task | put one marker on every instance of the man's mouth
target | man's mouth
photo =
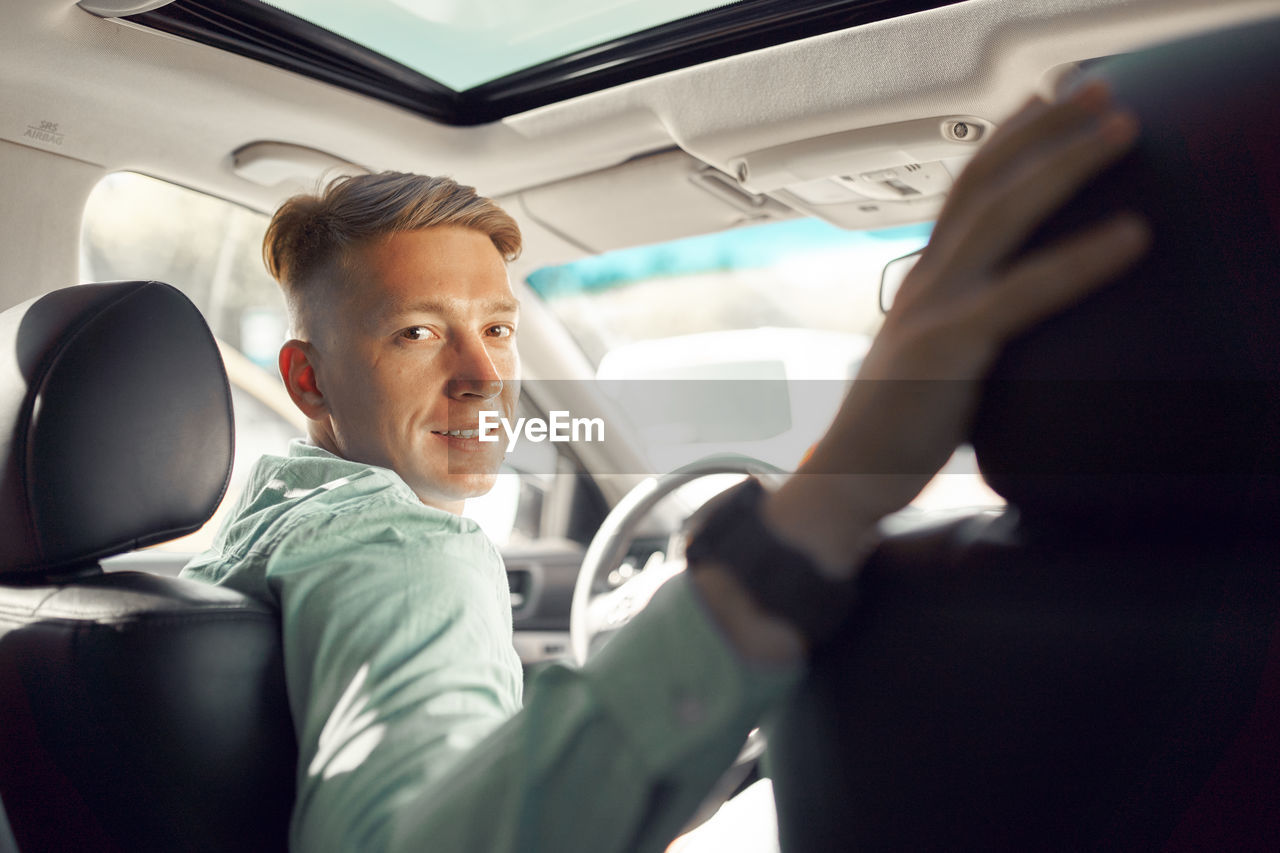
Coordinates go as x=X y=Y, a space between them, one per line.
x=458 y=433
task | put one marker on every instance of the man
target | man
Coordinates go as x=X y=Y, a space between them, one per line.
x=404 y=687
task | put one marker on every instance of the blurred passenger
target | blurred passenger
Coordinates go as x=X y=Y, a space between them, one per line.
x=1099 y=668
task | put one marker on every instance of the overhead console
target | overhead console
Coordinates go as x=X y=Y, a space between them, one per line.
x=871 y=177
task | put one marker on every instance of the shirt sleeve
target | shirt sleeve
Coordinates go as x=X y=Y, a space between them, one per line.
x=398 y=658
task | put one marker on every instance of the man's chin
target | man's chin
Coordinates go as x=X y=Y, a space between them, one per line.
x=466 y=486
x=454 y=488
x=461 y=476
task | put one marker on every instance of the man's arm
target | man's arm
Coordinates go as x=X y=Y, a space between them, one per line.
x=616 y=756
x=398 y=653
x=398 y=660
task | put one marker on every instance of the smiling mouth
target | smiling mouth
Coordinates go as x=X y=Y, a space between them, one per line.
x=465 y=441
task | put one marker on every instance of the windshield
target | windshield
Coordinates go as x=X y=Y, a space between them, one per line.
x=742 y=341
x=797 y=275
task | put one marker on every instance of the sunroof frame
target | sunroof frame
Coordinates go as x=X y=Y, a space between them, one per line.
x=264 y=33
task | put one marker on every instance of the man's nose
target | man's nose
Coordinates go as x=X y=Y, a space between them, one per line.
x=475 y=376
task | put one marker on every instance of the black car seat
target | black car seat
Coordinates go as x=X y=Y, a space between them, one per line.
x=1098 y=667
x=137 y=712
x=7 y=844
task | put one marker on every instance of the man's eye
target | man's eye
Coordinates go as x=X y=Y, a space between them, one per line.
x=416 y=333
x=501 y=331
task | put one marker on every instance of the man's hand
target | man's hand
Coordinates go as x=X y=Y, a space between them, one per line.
x=965 y=298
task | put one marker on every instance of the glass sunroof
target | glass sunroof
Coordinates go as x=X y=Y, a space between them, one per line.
x=465 y=43
x=470 y=62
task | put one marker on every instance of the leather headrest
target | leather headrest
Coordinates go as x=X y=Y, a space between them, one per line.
x=115 y=424
x=1155 y=400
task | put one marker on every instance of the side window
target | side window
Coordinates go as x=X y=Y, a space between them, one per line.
x=136 y=227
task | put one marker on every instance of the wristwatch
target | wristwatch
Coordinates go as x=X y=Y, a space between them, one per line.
x=780 y=579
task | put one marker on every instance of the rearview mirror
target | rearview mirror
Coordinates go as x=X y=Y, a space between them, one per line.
x=892 y=276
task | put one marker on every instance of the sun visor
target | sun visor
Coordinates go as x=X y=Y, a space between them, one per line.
x=661 y=197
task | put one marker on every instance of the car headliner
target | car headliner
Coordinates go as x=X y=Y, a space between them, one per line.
x=124 y=97
x=649 y=160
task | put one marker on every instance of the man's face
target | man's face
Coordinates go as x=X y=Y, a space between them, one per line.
x=419 y=342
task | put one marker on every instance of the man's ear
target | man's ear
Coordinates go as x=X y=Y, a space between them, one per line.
x=298 y=370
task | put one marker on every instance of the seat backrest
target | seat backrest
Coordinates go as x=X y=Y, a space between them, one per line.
x=7 y=844
x=137 y=712
x=1099 y=667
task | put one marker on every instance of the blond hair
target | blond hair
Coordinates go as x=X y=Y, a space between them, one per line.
x=309 y=233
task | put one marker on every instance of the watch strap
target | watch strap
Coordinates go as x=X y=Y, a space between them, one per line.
x=782 y=580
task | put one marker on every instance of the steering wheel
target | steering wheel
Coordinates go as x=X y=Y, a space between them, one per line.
x=590 y=616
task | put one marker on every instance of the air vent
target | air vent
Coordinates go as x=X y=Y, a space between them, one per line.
x=520 y=583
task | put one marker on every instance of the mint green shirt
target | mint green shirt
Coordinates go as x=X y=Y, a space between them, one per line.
x=405 y=689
